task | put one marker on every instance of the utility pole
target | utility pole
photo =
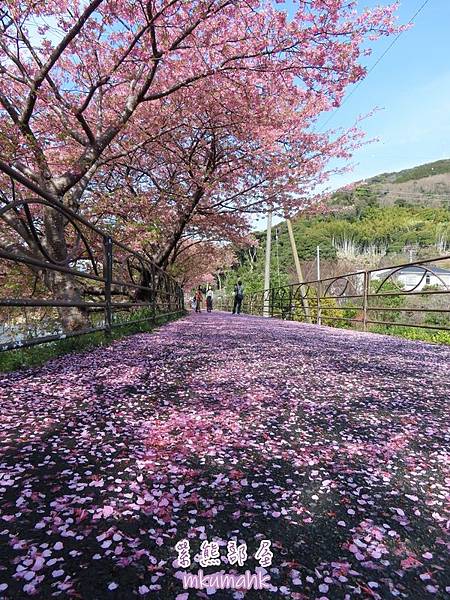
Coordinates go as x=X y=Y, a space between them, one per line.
x=318 y=263
x=266 y=299
x=298 y=268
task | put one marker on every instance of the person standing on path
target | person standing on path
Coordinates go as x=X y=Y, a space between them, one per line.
x=238 y=297
x=209 y=300
x=198 y=299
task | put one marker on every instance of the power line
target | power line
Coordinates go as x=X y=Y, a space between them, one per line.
x=377 y=62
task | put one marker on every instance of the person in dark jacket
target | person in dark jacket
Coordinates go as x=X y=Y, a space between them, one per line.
x=209 y=300
x=238 y=297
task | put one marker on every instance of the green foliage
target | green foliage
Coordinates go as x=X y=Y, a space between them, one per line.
x=252 y=273
x=392 y=227
x=366 y=195
x=307 y=237
x=391 y=302
x=331 y=313
x=253 y=280
x=437 y=319
x=351 y=311
x=435 y=168
x=414 y=333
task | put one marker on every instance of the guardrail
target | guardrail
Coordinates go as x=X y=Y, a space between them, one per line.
x=93 y=280
x=415 y=294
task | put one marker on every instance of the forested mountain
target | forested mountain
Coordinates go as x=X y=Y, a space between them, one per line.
x=384 y=220
x=424 y=185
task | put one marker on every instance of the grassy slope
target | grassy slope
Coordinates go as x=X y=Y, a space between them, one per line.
x=437 y=167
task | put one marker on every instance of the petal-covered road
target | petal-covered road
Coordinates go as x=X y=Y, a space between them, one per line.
x=333 y=445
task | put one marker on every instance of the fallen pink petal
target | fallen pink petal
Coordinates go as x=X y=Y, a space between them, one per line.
x=319 y=440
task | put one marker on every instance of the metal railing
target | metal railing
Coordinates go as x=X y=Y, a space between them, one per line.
x=415 y=294
x=92 y=278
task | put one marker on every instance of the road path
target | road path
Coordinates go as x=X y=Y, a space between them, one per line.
x=333 y=445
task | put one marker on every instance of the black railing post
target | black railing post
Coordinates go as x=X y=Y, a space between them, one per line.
x=290 y=304
x=365 y=298
x=319 y=293
x=107 y=277
x=153 y=293
x=168 y=294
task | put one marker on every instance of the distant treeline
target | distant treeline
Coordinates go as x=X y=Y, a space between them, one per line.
x=363 y=236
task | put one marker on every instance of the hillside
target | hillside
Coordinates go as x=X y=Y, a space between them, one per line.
x=424 y=185
x=437 y=167
x=390 y=218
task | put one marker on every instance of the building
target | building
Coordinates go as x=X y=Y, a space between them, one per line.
x=417 y=277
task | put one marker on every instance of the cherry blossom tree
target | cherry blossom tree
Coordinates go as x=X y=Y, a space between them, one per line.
x=206 y=178
x=198 y=262
x=79 y=81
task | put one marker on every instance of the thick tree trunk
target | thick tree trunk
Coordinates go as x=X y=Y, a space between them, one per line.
x=63 y=286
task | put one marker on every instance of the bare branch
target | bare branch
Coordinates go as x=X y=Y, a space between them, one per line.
x=53 y=58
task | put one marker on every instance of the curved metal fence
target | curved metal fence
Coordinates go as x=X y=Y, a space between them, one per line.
x=413 y=294
x=74 y=283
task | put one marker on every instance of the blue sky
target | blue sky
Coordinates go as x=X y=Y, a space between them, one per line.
x=411 y=89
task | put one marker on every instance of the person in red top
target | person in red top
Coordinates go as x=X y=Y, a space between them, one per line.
x=198 y=299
